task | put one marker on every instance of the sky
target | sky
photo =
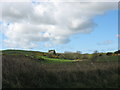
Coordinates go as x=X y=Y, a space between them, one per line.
x=64 y=26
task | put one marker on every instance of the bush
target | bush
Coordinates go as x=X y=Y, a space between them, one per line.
x=71 y=56
x=109 y=53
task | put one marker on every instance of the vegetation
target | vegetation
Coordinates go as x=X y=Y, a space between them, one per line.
x=28 y=69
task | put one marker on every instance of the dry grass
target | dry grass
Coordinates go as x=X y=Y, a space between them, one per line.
x=20 y=71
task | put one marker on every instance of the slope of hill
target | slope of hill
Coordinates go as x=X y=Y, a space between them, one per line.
x=28 y=69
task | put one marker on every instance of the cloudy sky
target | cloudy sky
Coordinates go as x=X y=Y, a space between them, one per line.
x=71 y=25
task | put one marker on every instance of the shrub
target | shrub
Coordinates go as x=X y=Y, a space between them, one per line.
x=71 y=56
x=109 y=53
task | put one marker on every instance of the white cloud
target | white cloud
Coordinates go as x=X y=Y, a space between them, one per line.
x=107 y=42
x=118 y=35
x=49 y=22
x=15 y=0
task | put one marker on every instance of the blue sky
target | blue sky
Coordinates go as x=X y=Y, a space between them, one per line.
x=106 y=30
x=101 y=37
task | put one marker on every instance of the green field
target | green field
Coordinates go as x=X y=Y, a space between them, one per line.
x=40 y=55
x=36 y=55
x=51 y=60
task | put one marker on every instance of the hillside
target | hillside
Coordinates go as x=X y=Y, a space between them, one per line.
x=29 y=69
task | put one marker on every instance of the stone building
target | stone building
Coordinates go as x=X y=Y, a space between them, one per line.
x=52 y=52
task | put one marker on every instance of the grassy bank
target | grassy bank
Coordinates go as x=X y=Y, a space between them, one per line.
x=21 y=71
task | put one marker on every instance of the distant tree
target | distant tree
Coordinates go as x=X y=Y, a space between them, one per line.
x=79 y=52
x=95 y=52
x=95 y=55
x=100 y=54
x=117 y=52
x=109 y=53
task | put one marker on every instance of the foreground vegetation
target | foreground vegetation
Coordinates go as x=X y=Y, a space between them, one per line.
x=25 y=69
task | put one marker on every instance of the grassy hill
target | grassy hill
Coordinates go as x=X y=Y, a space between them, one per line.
x=32 y=69
x=35 y=55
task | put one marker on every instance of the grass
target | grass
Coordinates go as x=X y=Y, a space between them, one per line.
x=21 y=71
x=108 y=58
x=53 y=60
x=36 y=56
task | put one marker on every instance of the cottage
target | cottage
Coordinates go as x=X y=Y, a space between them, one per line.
x=51 y=52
